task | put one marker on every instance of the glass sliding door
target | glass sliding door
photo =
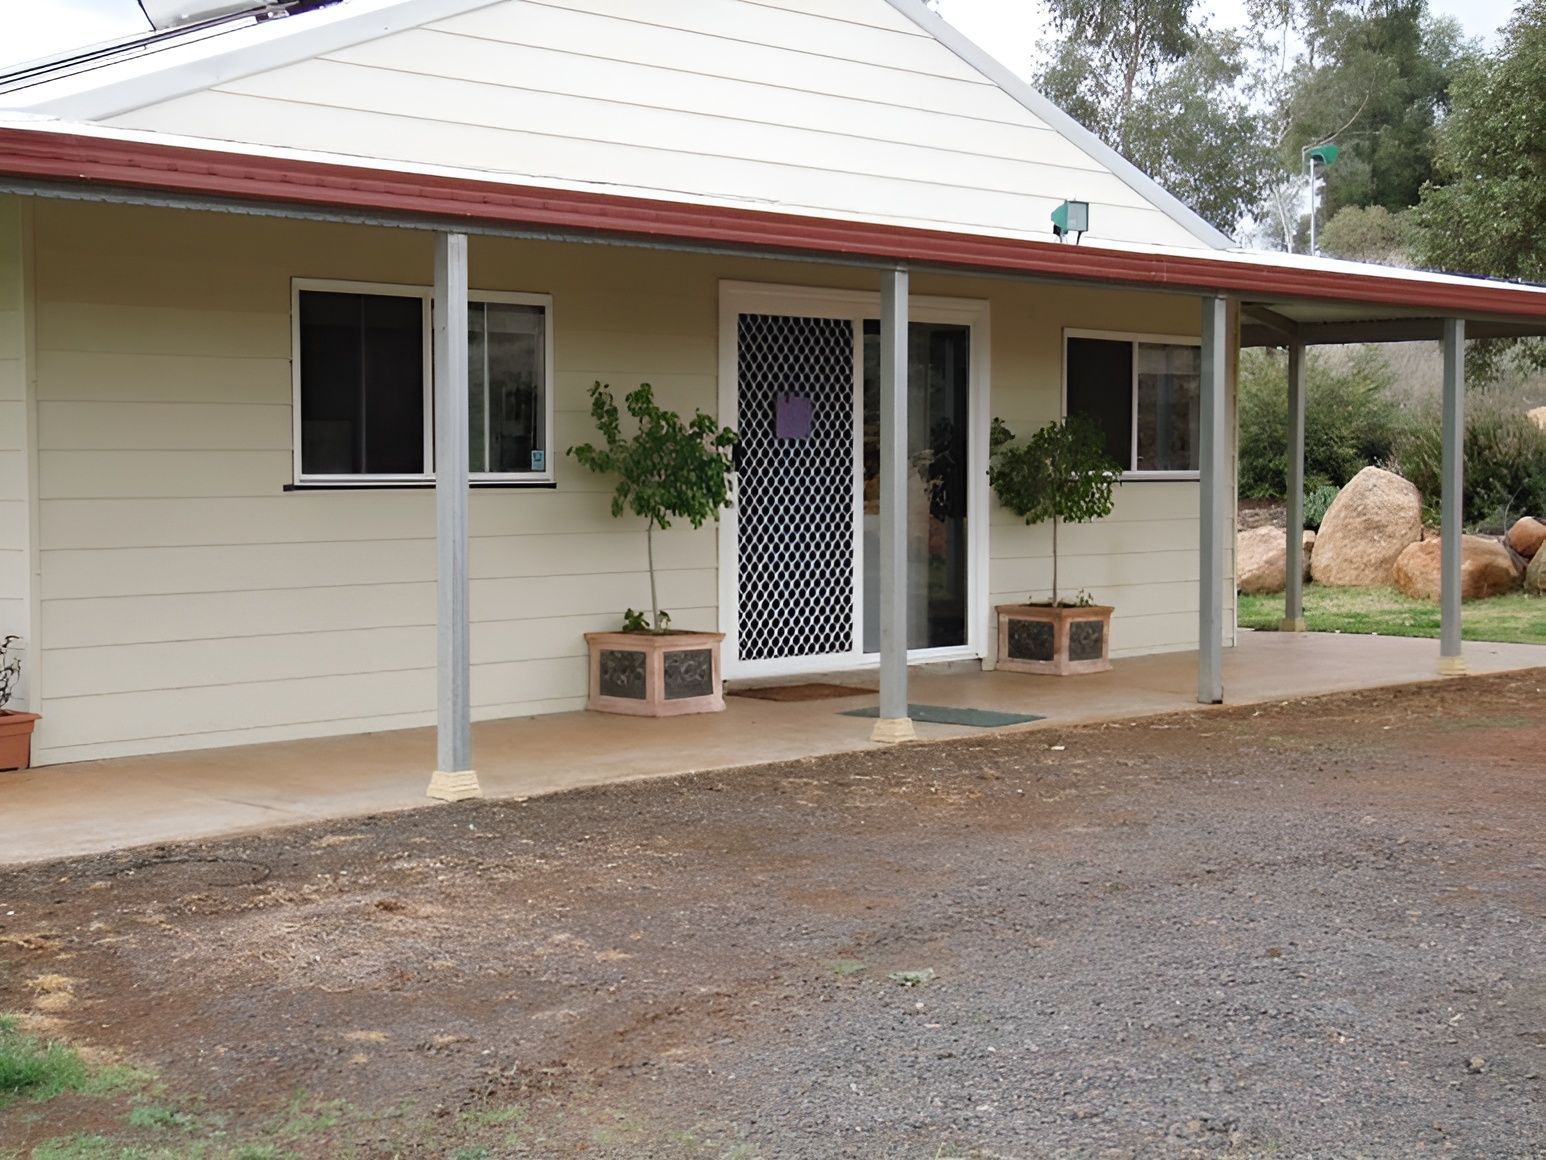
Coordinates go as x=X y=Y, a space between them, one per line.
x=938 y=550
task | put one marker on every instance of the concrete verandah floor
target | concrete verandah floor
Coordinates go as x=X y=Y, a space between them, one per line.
x=86 y=807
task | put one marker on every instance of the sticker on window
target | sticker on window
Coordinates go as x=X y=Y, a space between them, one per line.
x=539 y=459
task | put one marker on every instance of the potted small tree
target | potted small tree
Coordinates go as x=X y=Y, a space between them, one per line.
x=668 y=469
x=1061 y=473
x=15 y=726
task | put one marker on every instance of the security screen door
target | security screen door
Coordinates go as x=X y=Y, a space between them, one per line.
x=795 y=487
x=808 y=499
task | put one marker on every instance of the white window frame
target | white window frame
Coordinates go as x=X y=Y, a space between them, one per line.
x=426 y=296
x=1133 y=337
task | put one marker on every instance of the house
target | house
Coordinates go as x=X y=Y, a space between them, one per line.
x=220 y=255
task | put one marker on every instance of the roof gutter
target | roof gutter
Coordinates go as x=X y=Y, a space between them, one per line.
x=48 y=156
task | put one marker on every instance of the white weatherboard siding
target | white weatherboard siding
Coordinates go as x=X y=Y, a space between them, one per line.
x=844 y=108
x=15 y=462
x=188 y=600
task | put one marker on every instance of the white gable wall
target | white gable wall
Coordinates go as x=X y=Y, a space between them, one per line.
x=843 y=108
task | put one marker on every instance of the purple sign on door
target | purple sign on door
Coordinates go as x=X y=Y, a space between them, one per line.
x=792 y=416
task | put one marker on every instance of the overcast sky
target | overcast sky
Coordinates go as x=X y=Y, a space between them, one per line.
x=1007 y=28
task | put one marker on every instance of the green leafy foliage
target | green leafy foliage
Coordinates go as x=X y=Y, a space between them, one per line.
x=1370 y=233
x=1350 y=418
x=1375 y=78
x=1484 y=210
x=1505 y=459
x=1062 y=473
x=668 y=469
x=1317 y=503
x=1173 y=97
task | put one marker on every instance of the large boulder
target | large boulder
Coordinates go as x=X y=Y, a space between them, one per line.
x=1535 y=575
x=1261 y=559
x=1486 y=569
x=1526 y=536
x=1368 y=525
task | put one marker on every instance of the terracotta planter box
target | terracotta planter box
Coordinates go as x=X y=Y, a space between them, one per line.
x=1061 y=641
x=16 y=739
x=648 y=674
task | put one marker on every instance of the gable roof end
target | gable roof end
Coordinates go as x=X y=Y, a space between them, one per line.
x=968 y=50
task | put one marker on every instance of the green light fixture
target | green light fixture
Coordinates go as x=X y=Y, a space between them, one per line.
x=1072 y=217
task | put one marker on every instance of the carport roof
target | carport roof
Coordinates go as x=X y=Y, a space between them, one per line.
x=1284 y=296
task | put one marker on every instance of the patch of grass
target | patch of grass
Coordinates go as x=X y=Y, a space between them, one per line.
x=158 y=1116
x=493 y=1117
x=91 y=1147
x=35 y=1069
x=1515 y=618
x=261 y=1152
x=476 y=1152
x=307 y=1116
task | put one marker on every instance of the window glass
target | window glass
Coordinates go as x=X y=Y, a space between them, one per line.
x=938 y=551
x=1169 y=406
x=507 y=412
x=362 y=384
x=1100 y=386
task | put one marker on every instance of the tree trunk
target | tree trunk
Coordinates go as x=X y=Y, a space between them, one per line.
x=649 y=540
x=1054 y=561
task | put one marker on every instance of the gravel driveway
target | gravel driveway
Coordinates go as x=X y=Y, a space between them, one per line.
x=1308 y=930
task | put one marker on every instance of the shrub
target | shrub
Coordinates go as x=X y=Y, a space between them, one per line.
x=1505 y=459
x=1061 y=473
x=668 y=469
x=1350 y=418
x=1317 y=503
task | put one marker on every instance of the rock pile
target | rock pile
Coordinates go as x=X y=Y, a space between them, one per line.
x=1486 y=569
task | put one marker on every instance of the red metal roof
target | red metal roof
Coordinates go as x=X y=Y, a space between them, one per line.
x=55 y=156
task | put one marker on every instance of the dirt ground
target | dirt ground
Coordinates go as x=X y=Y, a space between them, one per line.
x=1312 y=929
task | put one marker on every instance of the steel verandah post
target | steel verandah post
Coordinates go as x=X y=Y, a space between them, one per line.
x=895 y=722
x=454 y=778
x=1211 y=463
x=1452 y=502
x=1293 y=599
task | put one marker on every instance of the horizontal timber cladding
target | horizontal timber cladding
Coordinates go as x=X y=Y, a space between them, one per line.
x=15 y=454
x=188 y=599
x=852 y=109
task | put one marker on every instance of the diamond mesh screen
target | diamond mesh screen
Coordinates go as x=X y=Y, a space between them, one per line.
x=796 y=495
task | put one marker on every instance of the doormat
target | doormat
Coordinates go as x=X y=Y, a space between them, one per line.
x=810 y=691
x=949 y=715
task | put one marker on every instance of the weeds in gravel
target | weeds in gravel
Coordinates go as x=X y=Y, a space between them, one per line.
x=842 y=968
x=494 y=1117
x=158 y=1116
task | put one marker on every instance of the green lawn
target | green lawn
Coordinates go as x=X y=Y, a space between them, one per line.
x=1387 y=612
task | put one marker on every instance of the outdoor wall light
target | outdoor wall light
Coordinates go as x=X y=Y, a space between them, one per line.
x=1072 y=217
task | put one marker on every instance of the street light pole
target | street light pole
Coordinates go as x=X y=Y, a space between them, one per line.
x=1310 y=163
x=1326 y=153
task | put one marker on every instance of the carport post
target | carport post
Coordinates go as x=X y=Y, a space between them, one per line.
x=895 y=722
x=1452 y=501
x=1214 y=489
x=1293 y=571
x=454 y=778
